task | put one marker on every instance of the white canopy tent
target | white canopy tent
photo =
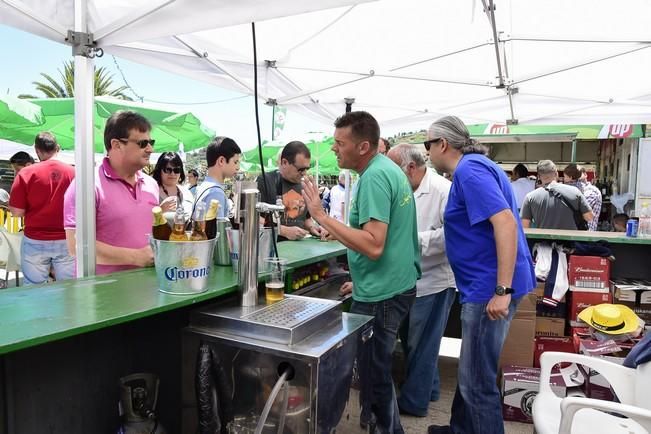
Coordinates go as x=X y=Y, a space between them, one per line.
x=406 y=61
x=409 y=61
x=91 y=26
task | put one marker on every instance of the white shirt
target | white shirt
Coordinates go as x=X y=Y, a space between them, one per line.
x=522 y=187
x=337 y=199
x=431 y=198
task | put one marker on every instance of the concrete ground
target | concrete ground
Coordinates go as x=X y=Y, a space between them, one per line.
x=439 y=412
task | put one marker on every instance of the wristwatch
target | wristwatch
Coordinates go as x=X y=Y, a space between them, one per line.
x=503 y=290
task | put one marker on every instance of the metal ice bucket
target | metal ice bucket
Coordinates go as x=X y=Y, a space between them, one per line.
x=183 y=267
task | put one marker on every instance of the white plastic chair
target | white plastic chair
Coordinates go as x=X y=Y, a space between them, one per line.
x=10 y=253
x=552 y=414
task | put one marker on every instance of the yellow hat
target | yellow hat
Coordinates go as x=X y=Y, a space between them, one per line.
x=612 y=319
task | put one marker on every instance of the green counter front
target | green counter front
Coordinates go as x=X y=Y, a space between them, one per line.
x=63 y=346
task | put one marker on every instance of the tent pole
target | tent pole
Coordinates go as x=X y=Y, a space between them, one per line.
x=491 y=17
x=84 y=150
x=347 y=192
x=574 y=150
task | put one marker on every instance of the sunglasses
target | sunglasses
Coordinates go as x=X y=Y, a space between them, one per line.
x=428 y=143
x=142 y=143
x=170 y=170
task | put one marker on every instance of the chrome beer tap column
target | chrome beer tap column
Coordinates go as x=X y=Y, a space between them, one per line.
x=249 y=239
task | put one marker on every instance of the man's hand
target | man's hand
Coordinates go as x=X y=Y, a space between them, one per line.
x=293 y=232
x=498 y=307
x=312 y=199
x=143 y=257
x=168 y=204
x=346 y=288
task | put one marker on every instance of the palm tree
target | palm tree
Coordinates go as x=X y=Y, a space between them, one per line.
x=66 y=88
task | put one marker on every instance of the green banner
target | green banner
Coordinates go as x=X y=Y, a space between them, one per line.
x=582 y=132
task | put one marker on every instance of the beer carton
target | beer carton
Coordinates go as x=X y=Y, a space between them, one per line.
x=589 y=272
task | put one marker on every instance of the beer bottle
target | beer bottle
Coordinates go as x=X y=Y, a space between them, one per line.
x=160 y=229
x=199 y=223
x=178 y=231
x=211 y=219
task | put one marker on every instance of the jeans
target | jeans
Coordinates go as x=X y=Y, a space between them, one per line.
x=421 y=337
x=376 y=357
x=37 y=257
x=477 y=407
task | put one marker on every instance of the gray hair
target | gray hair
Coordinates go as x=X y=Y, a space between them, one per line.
x=546 y=167
x=455 y=132
x=409 y=154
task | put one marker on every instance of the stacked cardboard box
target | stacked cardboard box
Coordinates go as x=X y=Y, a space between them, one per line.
x=520 y=386
x=518 y=346
x=635 y=294
x=589 y=278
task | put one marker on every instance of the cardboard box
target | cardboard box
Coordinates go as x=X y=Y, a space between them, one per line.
x=562 y=344
x=520 y=386
x=518 y=346
x=550 y=326
x=596 y=386
x=634 y=294
x=591 y=272
x=579 y=300
x=543 y=310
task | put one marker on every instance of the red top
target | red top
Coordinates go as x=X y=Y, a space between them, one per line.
x=39 y=190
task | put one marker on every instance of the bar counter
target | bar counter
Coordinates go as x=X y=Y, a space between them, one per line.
x=35 y=315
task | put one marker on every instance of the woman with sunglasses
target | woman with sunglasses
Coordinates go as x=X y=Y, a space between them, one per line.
x=169 y=175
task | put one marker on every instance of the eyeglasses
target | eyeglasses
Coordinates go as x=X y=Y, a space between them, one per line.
x=170 y=170
x=142 y=143
x=301 y=169
x=428 y=143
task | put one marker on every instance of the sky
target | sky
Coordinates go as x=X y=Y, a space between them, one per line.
x=229 y=113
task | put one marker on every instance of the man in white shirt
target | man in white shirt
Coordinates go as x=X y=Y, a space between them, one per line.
x=423 y=329
x=521 y=183
x=338 y=198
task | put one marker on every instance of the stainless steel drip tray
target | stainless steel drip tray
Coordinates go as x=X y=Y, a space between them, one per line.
x=288 y=321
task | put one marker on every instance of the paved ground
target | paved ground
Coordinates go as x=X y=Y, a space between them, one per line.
x=439 y=412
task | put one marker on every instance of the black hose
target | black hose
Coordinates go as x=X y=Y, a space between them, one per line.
x=224 y=391
x=207 y=403
x=257 y=125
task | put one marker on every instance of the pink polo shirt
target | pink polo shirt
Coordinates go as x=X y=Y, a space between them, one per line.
x=123 y=212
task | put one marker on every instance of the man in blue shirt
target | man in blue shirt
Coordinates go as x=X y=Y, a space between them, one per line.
x=489 y=255
x=223 y=159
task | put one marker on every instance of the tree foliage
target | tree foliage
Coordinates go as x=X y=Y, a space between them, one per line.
x=65 y=87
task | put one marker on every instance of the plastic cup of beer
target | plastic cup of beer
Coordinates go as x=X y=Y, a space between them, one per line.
x=275 y=280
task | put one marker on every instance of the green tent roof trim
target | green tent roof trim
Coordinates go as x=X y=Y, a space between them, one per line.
x=582 y=132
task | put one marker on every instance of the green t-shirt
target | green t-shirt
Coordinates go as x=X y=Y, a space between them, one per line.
x=383 y=193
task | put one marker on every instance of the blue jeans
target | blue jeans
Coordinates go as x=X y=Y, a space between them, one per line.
x=37 y=257
x=421 y=337
x=376 y=357
x=477 y=407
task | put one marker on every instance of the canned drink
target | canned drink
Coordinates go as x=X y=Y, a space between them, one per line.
x=631 y=228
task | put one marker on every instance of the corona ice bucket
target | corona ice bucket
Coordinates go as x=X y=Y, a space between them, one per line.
x=183 y=267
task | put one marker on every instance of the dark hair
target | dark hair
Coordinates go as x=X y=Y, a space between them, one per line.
x=521 y=170
x=167 y=158
x=363 y=126
x=620 y=218
x=21 y=158
x=572 y=171
x=387 y=145
x=120 y=123
x=221 y=147
x=292 y=149
x=45 y=142
x=193 y=172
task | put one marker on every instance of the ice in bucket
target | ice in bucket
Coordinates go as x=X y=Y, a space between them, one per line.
x=183 y=267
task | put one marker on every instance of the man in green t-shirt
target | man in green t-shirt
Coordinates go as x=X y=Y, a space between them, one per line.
x=383 y=253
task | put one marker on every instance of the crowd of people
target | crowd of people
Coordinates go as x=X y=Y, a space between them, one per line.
x=417 y=235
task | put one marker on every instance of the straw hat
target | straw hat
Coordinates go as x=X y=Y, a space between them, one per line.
x=612 y=319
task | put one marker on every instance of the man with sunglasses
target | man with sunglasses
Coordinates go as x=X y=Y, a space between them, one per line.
x=124 y=197
x=285 y=183
x=37 y=194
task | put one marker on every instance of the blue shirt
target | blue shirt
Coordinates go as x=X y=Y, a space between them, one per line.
x=480 y=189
x=210 y=189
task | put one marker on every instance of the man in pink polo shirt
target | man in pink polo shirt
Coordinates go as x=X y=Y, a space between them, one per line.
x=124 y=197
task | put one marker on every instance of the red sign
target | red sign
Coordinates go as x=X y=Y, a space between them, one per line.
x=620 y=131
x=589 y=272
x=498 y=129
